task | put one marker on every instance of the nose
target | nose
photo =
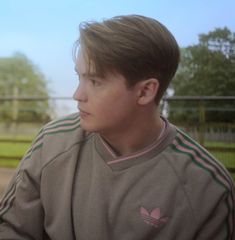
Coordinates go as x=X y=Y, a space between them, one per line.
x=80 y=94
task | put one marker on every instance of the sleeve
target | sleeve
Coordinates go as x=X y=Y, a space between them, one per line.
x=219 y=225
x=21 y=212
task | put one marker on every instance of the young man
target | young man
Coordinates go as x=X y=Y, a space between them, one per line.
x=118 y=170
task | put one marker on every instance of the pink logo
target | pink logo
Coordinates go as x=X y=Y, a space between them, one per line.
x=153 y=218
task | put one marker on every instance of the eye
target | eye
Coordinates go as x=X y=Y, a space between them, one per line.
x=94 y=82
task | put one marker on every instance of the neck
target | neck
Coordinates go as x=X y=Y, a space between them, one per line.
x=136 y=135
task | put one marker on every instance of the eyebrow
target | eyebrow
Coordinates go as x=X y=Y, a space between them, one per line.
x=85 y=74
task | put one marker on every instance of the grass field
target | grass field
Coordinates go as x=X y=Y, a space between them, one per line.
x=12 y=149
x=220 y=144
x=19 y=149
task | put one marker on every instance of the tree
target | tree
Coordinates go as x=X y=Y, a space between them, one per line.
x=206 y=69
x=20 y=77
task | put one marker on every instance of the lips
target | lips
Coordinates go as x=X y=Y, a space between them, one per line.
x=83 y=113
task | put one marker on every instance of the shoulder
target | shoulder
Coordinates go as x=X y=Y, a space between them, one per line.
x=56 y=137
x=61 y=134
x=205 y=181
x=197 y=160
x=60 y=130
x=64 y=126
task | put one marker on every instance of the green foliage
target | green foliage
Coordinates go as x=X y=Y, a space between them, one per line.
x=19 y=77
x=207 y=69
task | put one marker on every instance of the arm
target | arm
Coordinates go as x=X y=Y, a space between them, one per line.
x=219 y=225
x=21 y=212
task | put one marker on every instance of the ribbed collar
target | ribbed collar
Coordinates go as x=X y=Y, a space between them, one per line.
x=122 y=162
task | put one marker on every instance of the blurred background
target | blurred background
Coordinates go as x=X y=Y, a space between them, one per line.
x=37 y=77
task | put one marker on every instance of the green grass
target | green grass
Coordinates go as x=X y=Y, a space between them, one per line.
x=12 y=149
x=20 y=137
x=220 y=144
x=233 y=176
x=9 y=164
x=228 y=159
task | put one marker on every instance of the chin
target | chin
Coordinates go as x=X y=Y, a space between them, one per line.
x=88 y=127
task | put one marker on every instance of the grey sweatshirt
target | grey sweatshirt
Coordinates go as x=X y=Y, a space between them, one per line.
x=71 y=185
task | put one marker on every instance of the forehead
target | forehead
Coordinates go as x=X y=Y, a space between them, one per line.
x=82 y=64
x=85 y=67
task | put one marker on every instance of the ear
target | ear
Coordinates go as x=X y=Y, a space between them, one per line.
x=147 y=91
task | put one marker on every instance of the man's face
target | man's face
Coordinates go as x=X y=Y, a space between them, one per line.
x=106 y=105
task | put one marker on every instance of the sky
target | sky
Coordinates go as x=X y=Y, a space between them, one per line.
x=45 y=30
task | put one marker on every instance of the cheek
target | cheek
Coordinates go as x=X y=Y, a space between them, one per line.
x=107 y=107
x=112 y=102
x=107 y=98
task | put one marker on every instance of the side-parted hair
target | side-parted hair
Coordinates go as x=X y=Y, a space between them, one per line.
x=135 y=46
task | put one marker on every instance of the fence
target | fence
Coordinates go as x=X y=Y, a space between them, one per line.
x=209 y=120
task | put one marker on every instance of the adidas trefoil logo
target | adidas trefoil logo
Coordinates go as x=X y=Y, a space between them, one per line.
x=153 y=218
